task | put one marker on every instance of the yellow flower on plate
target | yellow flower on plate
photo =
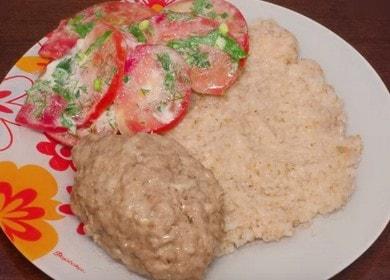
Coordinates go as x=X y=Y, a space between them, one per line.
x=26 y=204
x=32 y=64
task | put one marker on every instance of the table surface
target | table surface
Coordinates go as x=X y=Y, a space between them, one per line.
x=364 y=24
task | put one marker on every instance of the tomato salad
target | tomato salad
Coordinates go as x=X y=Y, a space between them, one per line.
x=65 y=36
x=120 y=67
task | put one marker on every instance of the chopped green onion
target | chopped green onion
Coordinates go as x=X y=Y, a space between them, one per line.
x=126 y=79
x=143 y=25
x=137 y=33
x=189 y=47
x=201 y=7
x=81 y=28
x=220 y=43
x=98 y=43
x=223 y=29
x=98 y=85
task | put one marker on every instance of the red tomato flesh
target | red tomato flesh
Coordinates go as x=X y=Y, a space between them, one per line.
x=115 y=13
x=226 y=13
x=157 y=92
x=222 y=72
x=76 y=89
x=165 y=29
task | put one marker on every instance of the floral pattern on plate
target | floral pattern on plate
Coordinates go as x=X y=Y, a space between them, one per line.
x=26 y=206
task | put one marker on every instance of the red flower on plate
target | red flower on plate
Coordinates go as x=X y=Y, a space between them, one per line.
x=10 y=94
x=60 y=155
x=65 y=209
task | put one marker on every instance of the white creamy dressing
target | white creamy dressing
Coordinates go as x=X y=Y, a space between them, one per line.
x=166 y=115
x=51 y=67
x=155 y=83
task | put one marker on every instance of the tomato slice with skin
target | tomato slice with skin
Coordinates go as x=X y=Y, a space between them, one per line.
x=157 y=94
x=105 y=124
x=221 y=72
x=217 y=78
x=118 y=14
x=76 y=89
x=221 y=11
x=166 y=29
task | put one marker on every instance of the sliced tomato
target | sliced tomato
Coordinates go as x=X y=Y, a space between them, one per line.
x=221 y=11
x=77 y=88
x=156 y=93
x=217 y=78
x=109 y=58
x=219 y=71
x=237 y=25
x=49 y=115
x=59 y=42
x=165 y=27
x=114 y=13
x=105 y=124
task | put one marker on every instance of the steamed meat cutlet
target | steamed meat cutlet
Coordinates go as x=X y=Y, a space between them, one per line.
x=276 y=142
x=148 y=203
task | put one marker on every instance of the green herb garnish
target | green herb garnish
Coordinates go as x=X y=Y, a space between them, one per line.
x=175 y=16
x=137 y=33
x=165 y=61
x=189 y=47
x=126 y=79
x=72 y=109
x=35 y=96
x=66 y=64
x=144 y=25
x=201 y=7
x=169 y=79
x=98 y=43
x=67 y=122
x=81 y=28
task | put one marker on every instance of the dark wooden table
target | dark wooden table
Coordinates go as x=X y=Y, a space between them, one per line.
x=364 y=23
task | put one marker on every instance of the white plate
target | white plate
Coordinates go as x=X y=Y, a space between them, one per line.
x=318 y=252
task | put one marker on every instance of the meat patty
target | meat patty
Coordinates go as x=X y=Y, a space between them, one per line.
x=148 y=203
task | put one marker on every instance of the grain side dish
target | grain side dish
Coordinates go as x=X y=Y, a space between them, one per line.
x=276 y=143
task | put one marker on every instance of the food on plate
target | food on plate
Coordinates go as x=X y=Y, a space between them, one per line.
x=276 y=143
x=157 y=209
x=217 y=58
x=104 y=125
x=114 y=13
x=69 y=100
x=214 y=58
x=77 y=88
x=221 y=11
x=165 y=27
x=211 y=35
x=156 y=92
x=250 y=165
